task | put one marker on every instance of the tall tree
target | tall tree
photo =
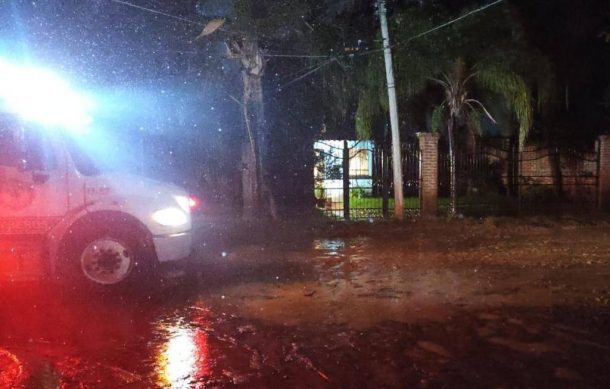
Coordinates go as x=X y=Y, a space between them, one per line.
x=251 y=30
x=459 y=104
x=248 y=28
x=505 y=72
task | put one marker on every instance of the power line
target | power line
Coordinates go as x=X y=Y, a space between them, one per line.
x=180 y=18
x=305 y=69
x=395 y=45
x=368 y=52
x=452 y=21
x=299 y=78
x=330 y=58
x=271 y=55
x=441 y=26
x=301 y=56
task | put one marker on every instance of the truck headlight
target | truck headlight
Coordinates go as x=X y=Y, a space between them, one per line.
x=171 y=217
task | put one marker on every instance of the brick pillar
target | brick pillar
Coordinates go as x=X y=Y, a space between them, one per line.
x=603 y=188
x=428 y=171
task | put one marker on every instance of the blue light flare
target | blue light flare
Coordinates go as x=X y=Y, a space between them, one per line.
x=39 y=96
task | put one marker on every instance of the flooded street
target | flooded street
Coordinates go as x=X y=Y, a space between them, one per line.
x=304 y=194
x=427 y=304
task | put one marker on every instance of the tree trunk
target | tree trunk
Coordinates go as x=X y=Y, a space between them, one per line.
x=555 y=153
x=452 y=167
x=471 y=156
x=555 y=164
x=248 y=182
x=253 y=111
x=513 y=168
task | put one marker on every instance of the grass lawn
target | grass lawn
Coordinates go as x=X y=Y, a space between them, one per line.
x=413 y=202
x=377 y=202
x=471 y=205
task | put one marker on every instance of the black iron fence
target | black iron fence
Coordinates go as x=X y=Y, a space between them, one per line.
x=485 y=176
x=557 y=180
x=354 y=180
x=496 y=177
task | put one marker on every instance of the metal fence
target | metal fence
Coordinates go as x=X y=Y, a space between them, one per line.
x=557 y=180
x=494 y=177
x=354 y=179
x=485 y=175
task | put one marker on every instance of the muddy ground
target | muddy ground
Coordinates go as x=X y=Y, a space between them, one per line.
x=470 y=303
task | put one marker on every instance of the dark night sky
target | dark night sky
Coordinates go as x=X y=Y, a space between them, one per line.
x=146 y=69
x=572 y=34
x=142 y=69
x=103 y=43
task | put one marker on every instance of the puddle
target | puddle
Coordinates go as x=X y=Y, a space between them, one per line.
x=414 y=311
x=183 y=359
x=329 y=246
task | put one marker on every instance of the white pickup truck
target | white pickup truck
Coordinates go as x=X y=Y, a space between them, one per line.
x=60 y=215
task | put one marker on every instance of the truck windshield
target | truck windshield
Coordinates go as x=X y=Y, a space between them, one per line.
x=83 y=161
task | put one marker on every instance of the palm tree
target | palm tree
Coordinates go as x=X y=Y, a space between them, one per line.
x=459 y=104
x=483 y=60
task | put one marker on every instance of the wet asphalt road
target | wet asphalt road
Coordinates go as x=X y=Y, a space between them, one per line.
x=460 y=305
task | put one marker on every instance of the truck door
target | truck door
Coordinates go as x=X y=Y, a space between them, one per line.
x=33 y=197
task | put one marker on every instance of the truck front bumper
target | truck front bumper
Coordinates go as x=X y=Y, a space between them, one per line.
x=170 y=248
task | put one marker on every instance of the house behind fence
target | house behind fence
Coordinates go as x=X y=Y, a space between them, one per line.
x=494 y=177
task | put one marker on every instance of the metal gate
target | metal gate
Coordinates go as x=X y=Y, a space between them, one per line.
x=353 y=179
x=486 y=175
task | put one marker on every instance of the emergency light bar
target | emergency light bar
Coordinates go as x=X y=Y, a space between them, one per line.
x=40 y=96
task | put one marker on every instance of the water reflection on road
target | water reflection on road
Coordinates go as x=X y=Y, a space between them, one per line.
x=360 y=311
x=183 y=359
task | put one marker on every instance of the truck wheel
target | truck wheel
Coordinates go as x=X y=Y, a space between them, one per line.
x=107 y=256
x=107 y=261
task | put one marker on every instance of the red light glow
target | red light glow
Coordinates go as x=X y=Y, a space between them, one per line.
x=194 y=202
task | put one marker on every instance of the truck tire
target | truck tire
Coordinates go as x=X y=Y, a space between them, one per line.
x=107 y=256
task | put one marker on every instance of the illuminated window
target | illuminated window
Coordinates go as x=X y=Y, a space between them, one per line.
x=359 y=163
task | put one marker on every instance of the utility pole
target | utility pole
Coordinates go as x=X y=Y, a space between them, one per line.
x=396 y=157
